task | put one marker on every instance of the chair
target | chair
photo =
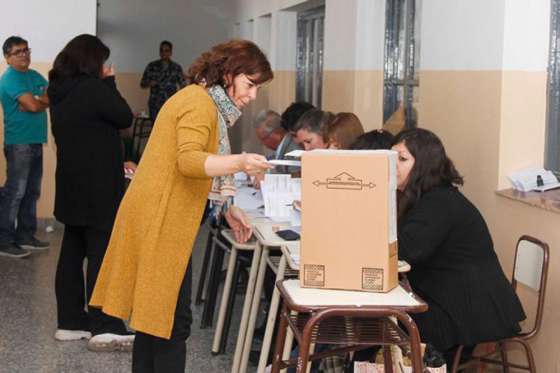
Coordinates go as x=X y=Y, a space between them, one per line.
x=530 y=268
x=235 y=264
x=141 y=129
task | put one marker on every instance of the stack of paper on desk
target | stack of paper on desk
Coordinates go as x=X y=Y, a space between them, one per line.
x=279 y=191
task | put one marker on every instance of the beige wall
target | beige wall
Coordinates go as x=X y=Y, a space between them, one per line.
x=522 y=139
x=360 y=92
x=129 y=87
x=46 y=202
x=276 y=95
x=282 y=90
x=492 y=122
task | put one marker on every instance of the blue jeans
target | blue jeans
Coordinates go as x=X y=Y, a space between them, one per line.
x=18 y=202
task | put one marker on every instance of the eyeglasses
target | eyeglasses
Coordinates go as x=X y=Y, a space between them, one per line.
x=21 y=52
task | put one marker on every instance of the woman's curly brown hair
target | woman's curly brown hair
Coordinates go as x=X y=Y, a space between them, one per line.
x=233 y=57
x=432 y=167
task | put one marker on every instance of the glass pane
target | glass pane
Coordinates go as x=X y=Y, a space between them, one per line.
x=310 y=56
x=402 y=31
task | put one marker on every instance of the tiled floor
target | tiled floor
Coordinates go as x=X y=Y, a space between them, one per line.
x=28 y=322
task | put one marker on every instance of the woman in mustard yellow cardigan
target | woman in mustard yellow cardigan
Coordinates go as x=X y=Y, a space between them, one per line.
x=145 y=276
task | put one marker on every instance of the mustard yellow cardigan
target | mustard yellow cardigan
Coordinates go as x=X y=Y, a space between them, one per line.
x=159 y=217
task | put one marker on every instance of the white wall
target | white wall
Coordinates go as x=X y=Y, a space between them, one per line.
x=47 y=25
x=462 y=35
x=283 y=44
x=133 y=29
x=526 y=37
x=354 y=34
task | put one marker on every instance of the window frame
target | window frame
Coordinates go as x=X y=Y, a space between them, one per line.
x=401 y=60
x=310 y=55
x=552 y=140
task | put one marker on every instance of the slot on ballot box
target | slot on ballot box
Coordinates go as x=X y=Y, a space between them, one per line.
x=349 y=217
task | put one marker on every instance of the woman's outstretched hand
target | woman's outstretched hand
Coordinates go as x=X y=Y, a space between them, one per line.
x=239 y=224
x=253 y=164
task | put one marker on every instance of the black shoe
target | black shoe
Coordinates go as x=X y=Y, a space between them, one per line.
x=13 y=251
x=33 y=244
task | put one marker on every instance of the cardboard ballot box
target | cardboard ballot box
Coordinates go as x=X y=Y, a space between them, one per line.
x=349 y=232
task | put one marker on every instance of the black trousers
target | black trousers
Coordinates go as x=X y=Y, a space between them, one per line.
x=152 y=354
x=72 y=295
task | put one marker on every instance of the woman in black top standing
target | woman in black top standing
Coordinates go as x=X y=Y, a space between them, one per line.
x=445 y=239
x=87 y=113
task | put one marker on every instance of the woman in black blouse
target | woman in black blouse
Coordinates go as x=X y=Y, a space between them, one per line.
x=445 y=239
x=87 y=113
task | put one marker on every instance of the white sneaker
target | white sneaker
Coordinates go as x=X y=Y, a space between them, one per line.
x=71 y=335
x=109 y=342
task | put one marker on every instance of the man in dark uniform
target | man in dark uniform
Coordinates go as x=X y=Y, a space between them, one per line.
x=163 y=77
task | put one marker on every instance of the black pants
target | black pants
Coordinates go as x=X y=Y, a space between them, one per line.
x=158 y=355
x=78 y=244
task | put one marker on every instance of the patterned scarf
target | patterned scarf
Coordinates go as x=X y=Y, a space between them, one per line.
x=223 y=187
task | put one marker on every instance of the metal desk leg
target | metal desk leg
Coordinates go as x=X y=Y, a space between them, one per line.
x=246 y=309
x=207 y=317
x=280 y=340
x=223 y=303
x=288 y=342
x=310 y=363
x=272 y=312
x=204 y=268
x=254 y=311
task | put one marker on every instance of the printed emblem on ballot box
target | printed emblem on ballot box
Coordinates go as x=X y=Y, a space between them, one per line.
x=372 y=279
x=344 y=181
x=314 y=275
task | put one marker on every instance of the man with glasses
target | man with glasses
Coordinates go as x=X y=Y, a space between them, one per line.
x=163 y=77
x=268 y=130
x=24 y=101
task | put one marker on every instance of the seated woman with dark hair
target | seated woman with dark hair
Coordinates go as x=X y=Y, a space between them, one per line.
x=445 y=239
x=373 y=140
x=310 y=129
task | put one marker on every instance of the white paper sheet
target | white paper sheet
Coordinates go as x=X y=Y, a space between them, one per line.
x=285 y=162
x=295 y=153
x=248 y=198
x=278 y=195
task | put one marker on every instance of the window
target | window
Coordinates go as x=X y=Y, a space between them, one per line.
x=402 y=56
x=310 y=35
x=552 y=151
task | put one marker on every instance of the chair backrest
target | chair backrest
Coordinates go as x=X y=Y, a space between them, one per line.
x=531 y=269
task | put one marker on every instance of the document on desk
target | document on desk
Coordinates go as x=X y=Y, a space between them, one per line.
x=279 y=191
x=248 y=198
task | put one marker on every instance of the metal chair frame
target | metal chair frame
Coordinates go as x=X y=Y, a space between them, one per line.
x=361 y=327
x=522 y=338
